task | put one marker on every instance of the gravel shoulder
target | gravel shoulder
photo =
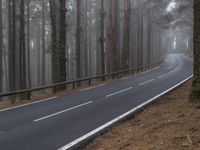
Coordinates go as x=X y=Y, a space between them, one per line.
x=169 y=124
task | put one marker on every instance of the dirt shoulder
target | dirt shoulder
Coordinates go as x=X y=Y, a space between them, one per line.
x=170 y=124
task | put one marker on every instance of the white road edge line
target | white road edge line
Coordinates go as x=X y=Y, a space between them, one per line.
x=143 y=83
x=73 y=143
x=63 y=111
x=119 y=92
x=92 y=87
x=28 y=104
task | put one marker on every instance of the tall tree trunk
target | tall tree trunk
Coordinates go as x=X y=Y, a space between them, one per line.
x=149 y=34
x=43 y=43
x=117 y=34
x=102 y=39
x=78 y=40
x=111 y=37
x=54 y=48
x=58 y=25
x=126 y=36
x=140 y=35
x=11 y=46
x=86 y=51
x=1 y=48
x=195 y=93
x=22 y=48
x=28 y=45
x=62 y=42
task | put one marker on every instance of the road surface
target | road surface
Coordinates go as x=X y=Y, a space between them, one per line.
x=61 y=122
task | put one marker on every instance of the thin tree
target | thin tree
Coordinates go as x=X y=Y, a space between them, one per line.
x=54 y=48
x=43 y=43
x=195 y=93
x=78 y=40
x=126 y=35
x=11 y=46
x=62 y=42
x=1 y=47
x=28 y=44
x=102 y=40
x=111 y=37
x=22 y=48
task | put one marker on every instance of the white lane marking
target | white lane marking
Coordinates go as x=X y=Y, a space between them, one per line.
x=172 y=71
x=82 y=138
x=124 y=78
x=162 y=76
x=92 y=87
x=28 y=104
x=143 y=83
x=150 y=70
x=188 y=58
x=63 y=111
x=119 y=92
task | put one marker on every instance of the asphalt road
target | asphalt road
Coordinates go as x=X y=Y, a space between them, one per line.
x=57 y=123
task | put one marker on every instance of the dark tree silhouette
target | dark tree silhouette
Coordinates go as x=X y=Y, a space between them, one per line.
x=195 y=93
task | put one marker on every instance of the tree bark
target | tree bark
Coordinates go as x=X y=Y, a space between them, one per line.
x=195 y=93
x=22 y=48
x=43 y=43
x=11 y=46
x=28 y=45
x=54 y=48
x=126 y=35
x=78 y=40
x=111 y=41
x=62 y=42
x=102 y=39
x=1 y=48
x=58 y=25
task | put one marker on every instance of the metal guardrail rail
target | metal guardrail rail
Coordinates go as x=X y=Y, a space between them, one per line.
x=74 y=83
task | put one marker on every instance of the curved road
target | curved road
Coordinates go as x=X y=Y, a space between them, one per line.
x=61 y=122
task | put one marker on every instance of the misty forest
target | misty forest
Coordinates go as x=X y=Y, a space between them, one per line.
x=44 y=42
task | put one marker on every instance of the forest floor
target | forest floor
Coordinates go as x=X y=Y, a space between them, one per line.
x=172 y=123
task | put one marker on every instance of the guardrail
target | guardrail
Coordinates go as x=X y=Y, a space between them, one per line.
x=74 y=83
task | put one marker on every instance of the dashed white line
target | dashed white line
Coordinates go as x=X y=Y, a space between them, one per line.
x=171 y=71
x=93 y=87
x=51 y=98
x=124 y=78
x=150 y=70
x=146 y=82
x=63 y=111
x=188 y=58
x=162 y=76
x=119 y=92
x=95 y=131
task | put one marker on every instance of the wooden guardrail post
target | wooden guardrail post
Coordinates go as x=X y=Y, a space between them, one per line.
x=28 y=95
x=103 y=78
x=74 y=85
x=113 y=76
x=90 y=81
x=54 y=89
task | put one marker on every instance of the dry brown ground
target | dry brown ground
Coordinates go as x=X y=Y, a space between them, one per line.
x=170 y=124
